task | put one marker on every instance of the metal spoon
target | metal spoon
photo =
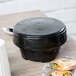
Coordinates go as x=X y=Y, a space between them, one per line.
x=8 y=30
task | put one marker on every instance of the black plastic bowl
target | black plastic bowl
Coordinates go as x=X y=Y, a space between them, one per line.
x=39 y=55
x=39 y=39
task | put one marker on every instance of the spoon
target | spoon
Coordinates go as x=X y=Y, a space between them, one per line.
x=8 y=30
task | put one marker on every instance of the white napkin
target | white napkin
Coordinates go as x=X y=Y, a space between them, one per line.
x=4 y=64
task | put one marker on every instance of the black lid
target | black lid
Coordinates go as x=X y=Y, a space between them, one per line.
x=39 y=33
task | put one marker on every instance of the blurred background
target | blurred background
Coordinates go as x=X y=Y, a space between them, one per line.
x=64 y=10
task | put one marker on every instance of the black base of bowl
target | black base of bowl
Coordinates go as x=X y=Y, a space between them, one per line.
x=41 y=56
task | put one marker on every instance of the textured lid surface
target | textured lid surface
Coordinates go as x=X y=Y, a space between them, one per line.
x=39 y=33
x=39 y=26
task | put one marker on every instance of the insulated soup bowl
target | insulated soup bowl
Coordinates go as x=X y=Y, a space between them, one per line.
x=39 y=39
